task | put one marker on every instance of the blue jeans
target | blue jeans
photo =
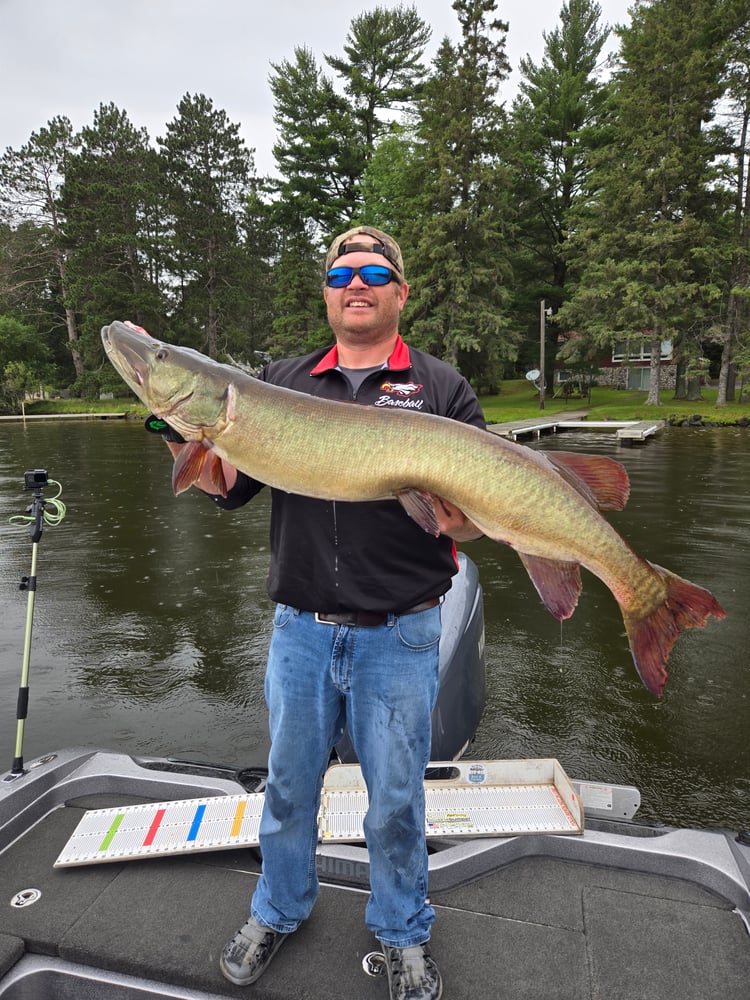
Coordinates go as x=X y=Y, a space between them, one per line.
x=383 y=682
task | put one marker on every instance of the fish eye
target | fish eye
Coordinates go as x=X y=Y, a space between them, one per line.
x=162 y=354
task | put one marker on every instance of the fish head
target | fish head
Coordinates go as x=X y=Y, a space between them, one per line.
x=191 y=392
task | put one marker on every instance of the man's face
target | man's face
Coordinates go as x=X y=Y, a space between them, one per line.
x=361 y=311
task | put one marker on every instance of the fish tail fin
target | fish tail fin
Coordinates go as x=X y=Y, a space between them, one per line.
x=652 y=636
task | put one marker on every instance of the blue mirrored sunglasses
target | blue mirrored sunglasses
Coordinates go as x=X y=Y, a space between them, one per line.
x=371 y=274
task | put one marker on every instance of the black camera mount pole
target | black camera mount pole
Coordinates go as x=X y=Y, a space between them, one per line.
x=35 y=480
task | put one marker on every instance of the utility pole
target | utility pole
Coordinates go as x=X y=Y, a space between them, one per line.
x=542 y=334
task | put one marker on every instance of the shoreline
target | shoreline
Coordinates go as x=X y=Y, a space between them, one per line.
x=22 y=418
x=697 y=421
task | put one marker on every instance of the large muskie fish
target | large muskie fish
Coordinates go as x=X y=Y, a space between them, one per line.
x=543 y=504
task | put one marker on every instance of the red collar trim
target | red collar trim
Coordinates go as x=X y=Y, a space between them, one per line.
x=399 y=359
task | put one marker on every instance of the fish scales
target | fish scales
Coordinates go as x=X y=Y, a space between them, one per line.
x=478 y=471
x=544 y=505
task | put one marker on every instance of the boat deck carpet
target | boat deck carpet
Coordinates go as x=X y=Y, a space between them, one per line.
x=537 y=929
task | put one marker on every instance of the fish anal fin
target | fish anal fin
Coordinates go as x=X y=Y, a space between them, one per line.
x=188 y=466
x=420 y=507
x=557 y=583
x=652 y=636
x=602 y=480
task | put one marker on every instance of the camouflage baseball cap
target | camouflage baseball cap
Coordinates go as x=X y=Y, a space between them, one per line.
x=379 y=242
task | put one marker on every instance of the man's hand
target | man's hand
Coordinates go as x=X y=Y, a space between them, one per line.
x=453 y=522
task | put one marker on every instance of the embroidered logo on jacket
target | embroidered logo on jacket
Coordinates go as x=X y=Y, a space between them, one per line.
x=401 y=390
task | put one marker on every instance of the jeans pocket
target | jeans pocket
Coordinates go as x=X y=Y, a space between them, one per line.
x=282 y=615
x=419 y=631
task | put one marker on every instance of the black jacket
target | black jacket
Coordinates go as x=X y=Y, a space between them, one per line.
x=335 y=556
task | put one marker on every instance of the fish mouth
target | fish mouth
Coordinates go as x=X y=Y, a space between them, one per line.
x=129 y=352
x=125 y=355
x=135 y=362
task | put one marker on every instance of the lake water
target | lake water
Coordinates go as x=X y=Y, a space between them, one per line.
x=151 y=621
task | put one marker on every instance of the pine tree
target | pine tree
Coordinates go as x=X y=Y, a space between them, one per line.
x=734 y=330
x=458 y=239
x=207 y=171
x=382 y=69
x=317 y=152
x=110 y=189
x=553 y=124
x=644 y=243
x=390 y=183
x=299 y=324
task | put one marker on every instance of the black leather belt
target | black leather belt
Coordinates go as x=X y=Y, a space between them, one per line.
x=369 y=619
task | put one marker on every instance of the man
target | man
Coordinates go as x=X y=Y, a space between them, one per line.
x=356 y=633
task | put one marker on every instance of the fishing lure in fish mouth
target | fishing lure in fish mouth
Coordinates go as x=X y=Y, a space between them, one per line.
x=157 y=425
x=544 y=505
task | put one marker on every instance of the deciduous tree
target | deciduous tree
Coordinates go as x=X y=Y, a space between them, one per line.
x=31 y=179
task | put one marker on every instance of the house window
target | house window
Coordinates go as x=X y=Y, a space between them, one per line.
x=630 y=350
x=638 y=379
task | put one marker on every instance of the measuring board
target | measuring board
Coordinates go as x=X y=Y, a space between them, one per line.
x=468 y=799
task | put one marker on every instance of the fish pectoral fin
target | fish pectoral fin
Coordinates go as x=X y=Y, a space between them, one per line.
x=188 y=466
x=216 y=474
x=603 y=481
x=196 y=460
x=557 y=583
x=420 y=507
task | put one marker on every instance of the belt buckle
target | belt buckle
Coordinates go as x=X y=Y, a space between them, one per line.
x=323 y=621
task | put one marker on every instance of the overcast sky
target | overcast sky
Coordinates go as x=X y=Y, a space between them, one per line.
x=66 y=57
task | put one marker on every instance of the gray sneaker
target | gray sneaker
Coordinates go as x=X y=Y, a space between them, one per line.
x=412 y=973
x=247 y=956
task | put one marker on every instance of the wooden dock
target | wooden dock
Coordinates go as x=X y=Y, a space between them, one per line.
x=628 y=431
x=21 y=418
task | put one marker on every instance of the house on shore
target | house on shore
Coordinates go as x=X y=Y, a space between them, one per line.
x=626 y=366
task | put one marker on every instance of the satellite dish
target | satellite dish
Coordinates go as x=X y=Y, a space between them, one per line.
x=533 y=375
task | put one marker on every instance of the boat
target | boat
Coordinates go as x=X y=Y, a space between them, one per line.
x=619 y=908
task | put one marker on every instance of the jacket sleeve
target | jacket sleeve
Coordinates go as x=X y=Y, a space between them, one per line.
x=464 y=405
x=243 y=491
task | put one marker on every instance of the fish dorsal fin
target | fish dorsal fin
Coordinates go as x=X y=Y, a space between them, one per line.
x=557 y=583
x=603 y=481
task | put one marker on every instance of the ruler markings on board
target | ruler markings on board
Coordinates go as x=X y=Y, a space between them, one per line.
x=191 y=825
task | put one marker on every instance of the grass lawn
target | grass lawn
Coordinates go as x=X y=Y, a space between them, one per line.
x=517 y=400
x=130 y=406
